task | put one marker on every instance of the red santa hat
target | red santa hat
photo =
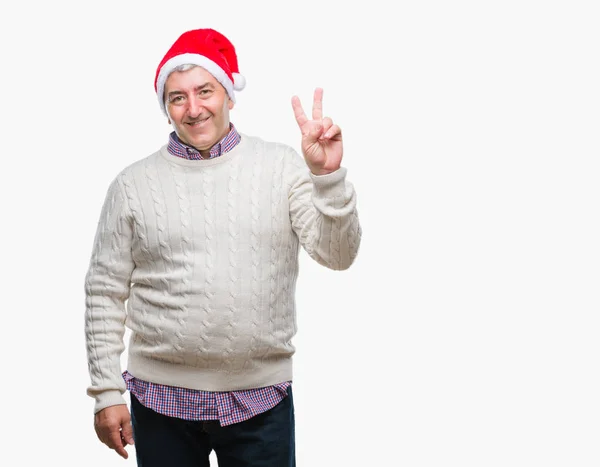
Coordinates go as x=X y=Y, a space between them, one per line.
x=206 y=48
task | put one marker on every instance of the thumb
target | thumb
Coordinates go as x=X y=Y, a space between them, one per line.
x=127 y=432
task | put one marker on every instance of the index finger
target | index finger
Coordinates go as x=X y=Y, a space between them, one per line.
x=298 y=111
x=317 y=112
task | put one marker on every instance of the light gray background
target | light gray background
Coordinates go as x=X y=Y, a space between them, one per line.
x=466 y=333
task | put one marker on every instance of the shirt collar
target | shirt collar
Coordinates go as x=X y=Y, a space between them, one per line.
x=177 y=148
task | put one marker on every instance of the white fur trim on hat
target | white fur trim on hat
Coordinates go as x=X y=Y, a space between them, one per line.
x=239 y=82
x=193 y=59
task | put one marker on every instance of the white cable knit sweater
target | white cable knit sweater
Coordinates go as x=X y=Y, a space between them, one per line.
x=204 y=254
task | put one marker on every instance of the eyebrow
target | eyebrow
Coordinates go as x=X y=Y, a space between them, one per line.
x=196 y=89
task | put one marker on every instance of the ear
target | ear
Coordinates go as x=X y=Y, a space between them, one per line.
x=230 y=103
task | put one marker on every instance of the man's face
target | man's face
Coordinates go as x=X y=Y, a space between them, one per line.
x=198 y=107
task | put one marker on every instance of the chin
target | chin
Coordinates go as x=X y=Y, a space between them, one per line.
x=203 y=143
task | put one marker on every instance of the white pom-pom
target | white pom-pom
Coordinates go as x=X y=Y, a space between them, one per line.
x=239 y=82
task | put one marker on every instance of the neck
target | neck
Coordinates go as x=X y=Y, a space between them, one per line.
x=205 y=153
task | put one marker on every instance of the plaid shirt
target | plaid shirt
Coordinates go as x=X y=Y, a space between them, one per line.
x=177 y=148
x=189 y=404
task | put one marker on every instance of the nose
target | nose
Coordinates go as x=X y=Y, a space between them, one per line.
x=194 y=107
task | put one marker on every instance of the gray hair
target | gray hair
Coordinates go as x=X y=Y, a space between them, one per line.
x=184 y=67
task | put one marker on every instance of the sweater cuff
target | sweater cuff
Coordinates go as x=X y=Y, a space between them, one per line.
x=108 y=399
x=331 y=185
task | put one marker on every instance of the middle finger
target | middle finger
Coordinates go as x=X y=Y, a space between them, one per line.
x=317 y=111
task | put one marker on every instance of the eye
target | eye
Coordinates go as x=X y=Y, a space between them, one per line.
x=176 y=100
x=205 y=92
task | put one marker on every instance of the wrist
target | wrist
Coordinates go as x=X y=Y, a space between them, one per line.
x=319 y=172
x=322 y=170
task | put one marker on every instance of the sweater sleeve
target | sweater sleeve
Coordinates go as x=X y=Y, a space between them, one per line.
x=107 y=284
x=323 y=214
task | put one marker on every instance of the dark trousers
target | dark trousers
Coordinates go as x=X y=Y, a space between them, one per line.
x=265 y=440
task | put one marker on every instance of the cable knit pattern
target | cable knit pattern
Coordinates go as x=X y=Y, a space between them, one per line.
x=107 y=289
x=185 y=224
x=275 y=254
x=144 y=258
x=233 y=240
x=255 y=255
x=354 y=234
x=208 y=204
x=199 y=258
x=288 y=271
x=159 y=214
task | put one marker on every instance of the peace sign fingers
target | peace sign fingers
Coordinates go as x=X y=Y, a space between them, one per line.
x=317 y=110
x=299 y=112
x=317 y=113
x=321 y=138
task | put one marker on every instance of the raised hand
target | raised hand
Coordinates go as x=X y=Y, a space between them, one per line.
x=321 y=139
